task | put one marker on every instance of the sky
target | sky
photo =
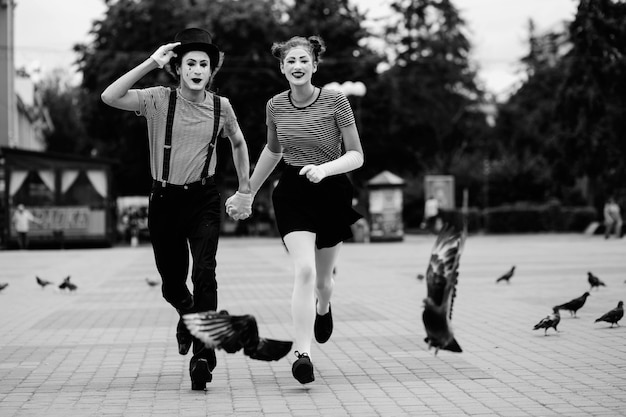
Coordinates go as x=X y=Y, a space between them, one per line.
x=46 y=30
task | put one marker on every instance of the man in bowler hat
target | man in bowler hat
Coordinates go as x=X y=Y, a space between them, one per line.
x=185 y=208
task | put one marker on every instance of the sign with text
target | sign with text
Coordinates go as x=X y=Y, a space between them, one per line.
x=70 y=220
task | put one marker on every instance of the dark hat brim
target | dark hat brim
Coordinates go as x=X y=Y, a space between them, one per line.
x=212 y=50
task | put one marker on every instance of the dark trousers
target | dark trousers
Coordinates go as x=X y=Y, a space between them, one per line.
x=22 y=240
x=182 y=220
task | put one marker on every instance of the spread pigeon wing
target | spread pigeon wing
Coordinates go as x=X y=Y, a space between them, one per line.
x=442 y=272
x=212 y=328
x=441 y=280
x=232 y=333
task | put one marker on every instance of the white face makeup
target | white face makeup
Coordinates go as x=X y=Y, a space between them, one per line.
x=195 y=70
x=298 y=66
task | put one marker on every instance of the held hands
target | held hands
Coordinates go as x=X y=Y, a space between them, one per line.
x=239 y=206
x=163 y=55
x=314 y=173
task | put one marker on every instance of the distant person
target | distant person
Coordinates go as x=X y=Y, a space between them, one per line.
x=185 y=206
x=612 y=218
x=21 y=220
x=431 y=213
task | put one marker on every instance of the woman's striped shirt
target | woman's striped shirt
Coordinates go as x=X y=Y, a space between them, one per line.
x=310 y=135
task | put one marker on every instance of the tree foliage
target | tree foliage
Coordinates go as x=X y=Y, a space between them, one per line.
x=592 y=98
x=62 y=101
x=526 y=147
x=431 y=98
x=567 y=117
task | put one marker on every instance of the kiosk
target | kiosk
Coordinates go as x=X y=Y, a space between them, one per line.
x=68 y=194
x=385 y=207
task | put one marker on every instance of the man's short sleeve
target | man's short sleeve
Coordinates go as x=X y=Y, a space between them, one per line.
x=231 y=125
x=150 y=99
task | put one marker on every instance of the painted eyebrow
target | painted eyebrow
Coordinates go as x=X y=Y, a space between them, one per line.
x=202 y=61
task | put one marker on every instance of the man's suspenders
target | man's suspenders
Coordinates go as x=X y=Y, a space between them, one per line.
x=167 y=151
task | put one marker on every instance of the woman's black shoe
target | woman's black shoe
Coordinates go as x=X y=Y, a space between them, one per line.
x=302 y=369
x=323 y=327
x=183 y=337
x=200 y=374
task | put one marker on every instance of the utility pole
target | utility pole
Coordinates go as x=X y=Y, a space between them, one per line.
x=8 y=101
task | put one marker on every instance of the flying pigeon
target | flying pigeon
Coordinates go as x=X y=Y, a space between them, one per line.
x=3 y=285
x=614 y=315
x=506 y=277
x=574 y=305
x=594 y=281
x=152 y=283
x=220 y=330
x=441 y=280
x=43 y=282
x=551 y=320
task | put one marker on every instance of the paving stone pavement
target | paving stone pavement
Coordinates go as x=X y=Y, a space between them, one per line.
x=108 y=349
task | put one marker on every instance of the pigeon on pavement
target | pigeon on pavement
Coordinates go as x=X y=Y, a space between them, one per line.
x=43 y=282
x=232 y=333
x=420 y=277
x=614 y=315
x=506 y=277
x=552 y=320
x=441 y=280
x=68 y=285
x=574 y=305
x=594 y=281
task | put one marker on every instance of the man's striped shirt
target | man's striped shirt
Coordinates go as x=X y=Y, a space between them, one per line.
x=191 y=132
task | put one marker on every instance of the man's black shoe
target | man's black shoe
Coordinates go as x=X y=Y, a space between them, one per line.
x=183 y=337
x=200 y=374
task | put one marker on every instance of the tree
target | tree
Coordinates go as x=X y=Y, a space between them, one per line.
x=62 y=101
x=591 y=100
x=523 y=156
x=433 y=97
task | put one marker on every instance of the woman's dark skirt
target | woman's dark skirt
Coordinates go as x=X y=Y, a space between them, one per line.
x=324 y=208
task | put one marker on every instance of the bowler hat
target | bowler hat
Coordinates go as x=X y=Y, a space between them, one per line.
x=195 y=39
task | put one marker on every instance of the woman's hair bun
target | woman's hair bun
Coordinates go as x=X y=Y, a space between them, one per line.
x=314 y=44
x=317 y=45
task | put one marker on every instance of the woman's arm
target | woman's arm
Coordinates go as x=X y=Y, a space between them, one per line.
x=270 y=157
x=119 y=93
x=236 y=205
x=349 y=161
